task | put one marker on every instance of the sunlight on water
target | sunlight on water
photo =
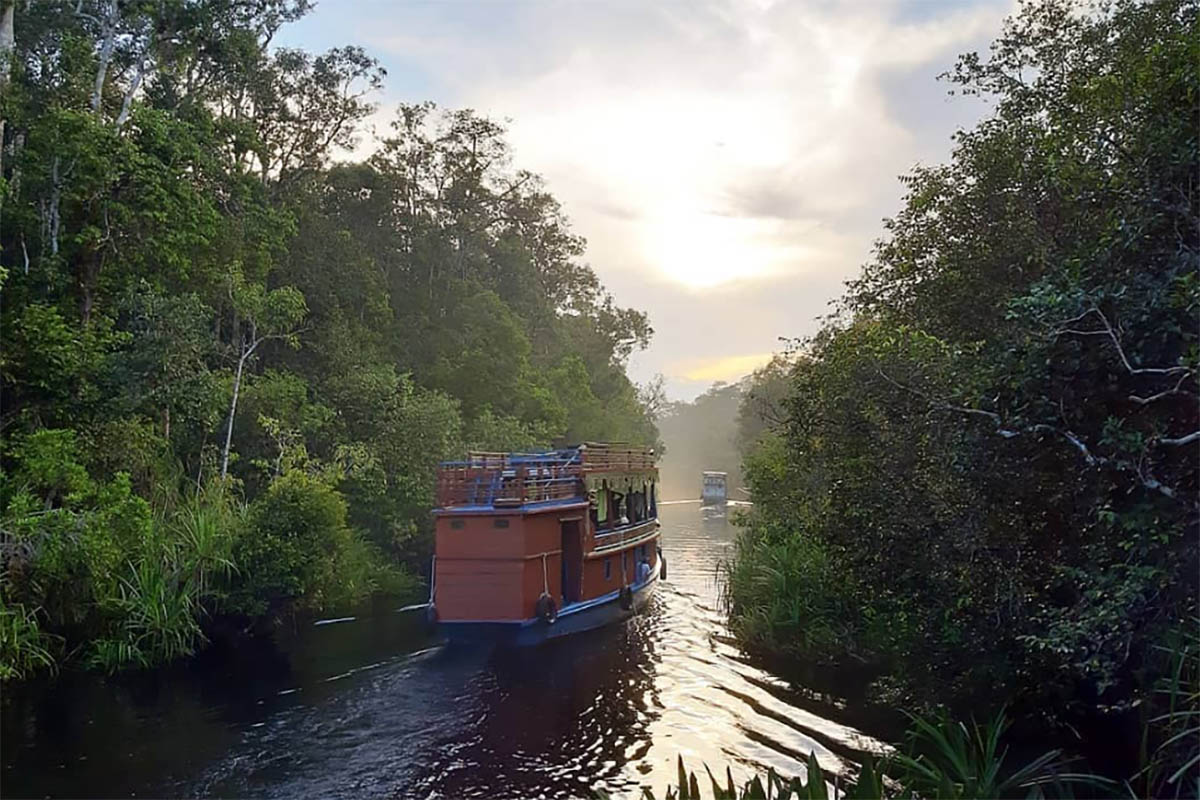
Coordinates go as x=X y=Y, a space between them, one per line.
x=369 y=706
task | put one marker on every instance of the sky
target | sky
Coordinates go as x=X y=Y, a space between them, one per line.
x=728 y=161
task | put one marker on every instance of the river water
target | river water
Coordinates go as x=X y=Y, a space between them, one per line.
x=371 y=706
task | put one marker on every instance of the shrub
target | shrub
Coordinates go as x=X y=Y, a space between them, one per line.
x=100 y=566
x=298 y=549
x=155 y=616
x=783 y=594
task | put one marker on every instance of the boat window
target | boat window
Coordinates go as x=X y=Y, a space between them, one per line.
x=457 y=524
x=608 y=569
x=500 y=522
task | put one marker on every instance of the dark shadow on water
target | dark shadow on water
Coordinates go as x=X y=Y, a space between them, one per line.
x=81 y=734
x=554 y=720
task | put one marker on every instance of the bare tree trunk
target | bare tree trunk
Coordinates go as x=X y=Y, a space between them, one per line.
x=237 y=385
x=127 y=103
x=89 y=274
x=52 y=223
x=249 y=343
x=14 y=150
x=106 y=51
x=7 y=42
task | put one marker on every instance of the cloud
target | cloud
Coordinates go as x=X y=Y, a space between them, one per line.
x=728 y=161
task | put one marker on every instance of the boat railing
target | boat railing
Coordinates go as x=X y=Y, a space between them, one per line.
x=590 y=457
x=617 y=457
x=487 y=486
x=615 y=537
x=514 y=479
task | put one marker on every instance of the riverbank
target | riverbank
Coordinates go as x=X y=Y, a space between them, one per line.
x=106 y=580
x=366 y=706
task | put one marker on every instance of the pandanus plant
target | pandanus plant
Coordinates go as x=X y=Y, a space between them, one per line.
x=945 y=760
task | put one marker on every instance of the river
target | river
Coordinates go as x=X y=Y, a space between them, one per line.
x=371 y=706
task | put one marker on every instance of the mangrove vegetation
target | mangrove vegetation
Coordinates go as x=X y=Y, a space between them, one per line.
x=982 y=488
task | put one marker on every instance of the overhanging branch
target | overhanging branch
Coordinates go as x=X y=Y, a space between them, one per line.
x=1111 y=333
x=1092 y=459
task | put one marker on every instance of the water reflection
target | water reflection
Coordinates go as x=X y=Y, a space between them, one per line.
x=370 y=706
x=556 y=721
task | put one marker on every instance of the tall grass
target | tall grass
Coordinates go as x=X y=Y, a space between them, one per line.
x=782 y=594
x=1171 y=735
x=155 y=615
x=24 y=646
x=203 y=529
x=949 y=760
x=867 y=785
x=158 y=608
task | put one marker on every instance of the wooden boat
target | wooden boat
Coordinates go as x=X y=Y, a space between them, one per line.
x=533 y=546
x=712 y=489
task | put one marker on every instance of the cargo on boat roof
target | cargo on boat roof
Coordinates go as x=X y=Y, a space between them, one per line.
x=507 y=480
x=532 y=546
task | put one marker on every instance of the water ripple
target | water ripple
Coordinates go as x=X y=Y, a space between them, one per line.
x=370 y=707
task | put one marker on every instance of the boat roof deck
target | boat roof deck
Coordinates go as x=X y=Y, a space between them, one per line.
x=487 y=481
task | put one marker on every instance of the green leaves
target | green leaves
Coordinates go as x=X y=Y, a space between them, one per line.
x=273 y=313
x=192 y=288
x=868 y=785
x=980 y=489
x=774 y=787
x=947 y=759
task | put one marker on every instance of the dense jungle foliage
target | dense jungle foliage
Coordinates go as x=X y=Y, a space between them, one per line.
x=234 y=350
x=984 y=486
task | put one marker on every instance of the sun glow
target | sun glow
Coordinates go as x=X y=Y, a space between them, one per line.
x=705 y=250
x=724 y=369
x=725 y=161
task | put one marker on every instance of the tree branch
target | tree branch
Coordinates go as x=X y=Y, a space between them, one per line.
x=1145 y=401
x=1091 y=458
x=1116 y=340
x=127 y=101
x=1194 y=436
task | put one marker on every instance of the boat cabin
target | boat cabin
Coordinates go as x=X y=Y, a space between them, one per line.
x=530 y=546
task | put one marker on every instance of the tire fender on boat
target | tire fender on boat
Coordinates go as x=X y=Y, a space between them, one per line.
x=547 y=609
x=626 y=598
x=431 y=615
x=662 y=565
